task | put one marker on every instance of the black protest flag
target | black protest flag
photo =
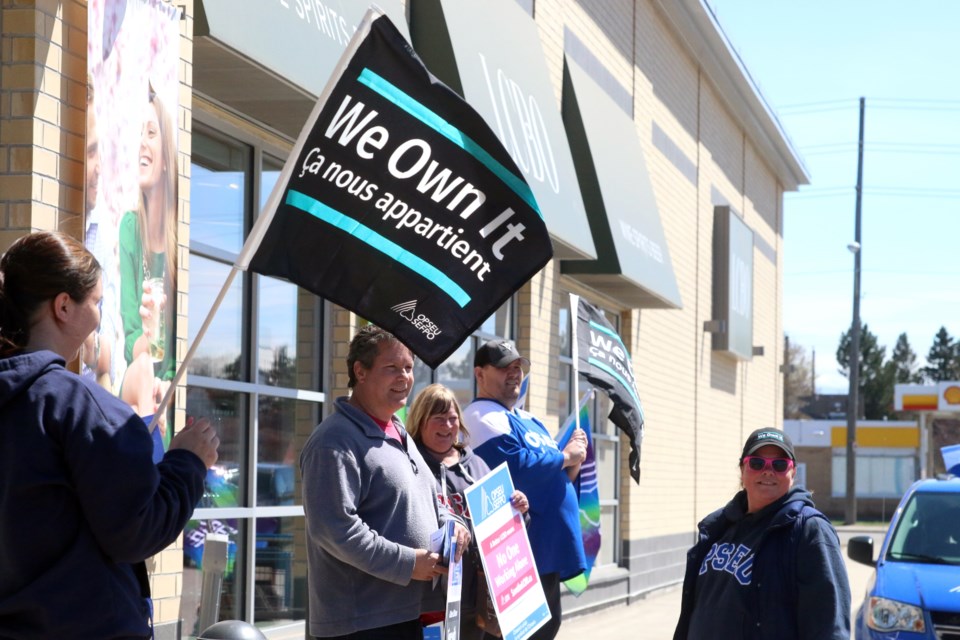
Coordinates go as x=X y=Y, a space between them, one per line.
x=399 y=202
x=603 y=360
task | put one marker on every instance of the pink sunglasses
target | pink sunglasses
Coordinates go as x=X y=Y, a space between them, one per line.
x=779 y=465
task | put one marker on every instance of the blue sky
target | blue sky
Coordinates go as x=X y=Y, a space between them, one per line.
x=812 y=62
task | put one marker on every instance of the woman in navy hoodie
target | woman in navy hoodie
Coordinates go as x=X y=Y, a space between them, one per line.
x=81 y=503
x=768 y=565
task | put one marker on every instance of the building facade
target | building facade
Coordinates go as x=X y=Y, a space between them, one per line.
x=659 y=168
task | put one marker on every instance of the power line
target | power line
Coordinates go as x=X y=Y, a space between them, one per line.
x=830 y=145
x=894 y=104
x=812 y=110
x=907 y=272
x=913 y=192
x=821 y=103
x=919 y=104
x=820 y=192
x=894 y=192
x=894 y=272
x=822 y=272
x=921 y=148
x=926 y=148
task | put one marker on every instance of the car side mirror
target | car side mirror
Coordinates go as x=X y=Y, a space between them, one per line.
x=860 y=549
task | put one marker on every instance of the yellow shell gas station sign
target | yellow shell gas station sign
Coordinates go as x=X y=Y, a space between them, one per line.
x=948 y=394
x=942 y=396
x=915 y=397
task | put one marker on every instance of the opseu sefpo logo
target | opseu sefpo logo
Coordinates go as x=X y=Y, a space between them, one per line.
x=408 y=311
x=493 y=500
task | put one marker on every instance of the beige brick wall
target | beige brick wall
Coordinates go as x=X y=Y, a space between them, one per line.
x=762 y=197
x=343 y=325
x=698 y=405
x=668 y=353
x=42 y=100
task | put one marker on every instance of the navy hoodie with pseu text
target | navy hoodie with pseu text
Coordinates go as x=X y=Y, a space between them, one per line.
x=81 y=504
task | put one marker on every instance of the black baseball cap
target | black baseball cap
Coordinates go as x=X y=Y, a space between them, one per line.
x=498 y=353
x=762 y=437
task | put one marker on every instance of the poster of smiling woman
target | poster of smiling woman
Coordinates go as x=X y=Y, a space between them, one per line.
x=130 y=196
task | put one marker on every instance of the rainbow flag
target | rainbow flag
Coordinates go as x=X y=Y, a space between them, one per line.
x=588 y=492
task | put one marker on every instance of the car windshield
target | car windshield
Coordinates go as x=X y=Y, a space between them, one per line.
x=928 y=531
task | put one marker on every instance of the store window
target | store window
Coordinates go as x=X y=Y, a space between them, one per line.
x=257 y=375
x=606 y=440
x=881 y=473
x=457 y=371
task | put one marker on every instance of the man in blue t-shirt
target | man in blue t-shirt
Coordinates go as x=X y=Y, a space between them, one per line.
x=501 y=433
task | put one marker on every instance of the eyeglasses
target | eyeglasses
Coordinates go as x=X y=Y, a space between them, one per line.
x=779 y=465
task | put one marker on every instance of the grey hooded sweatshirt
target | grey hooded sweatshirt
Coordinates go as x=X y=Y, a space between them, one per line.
x=370 y=503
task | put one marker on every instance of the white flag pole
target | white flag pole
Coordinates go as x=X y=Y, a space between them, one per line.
x=575 y=351
x=193 y=349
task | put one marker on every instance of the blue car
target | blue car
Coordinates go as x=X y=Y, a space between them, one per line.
x=915 y=592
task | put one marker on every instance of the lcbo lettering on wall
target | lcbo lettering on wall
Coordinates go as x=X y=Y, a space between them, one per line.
x=526 y=134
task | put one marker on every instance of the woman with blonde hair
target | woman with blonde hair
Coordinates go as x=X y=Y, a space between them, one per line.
x=148 y=263
x=435 y=423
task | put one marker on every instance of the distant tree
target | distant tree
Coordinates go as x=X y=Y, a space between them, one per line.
x=462 y=370
x=282 y=371
x=904 y=363
x=233 y=370
x=797 y=379
x=944 y=358
x=876 y=378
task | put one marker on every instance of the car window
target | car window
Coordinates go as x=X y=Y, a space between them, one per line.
x=928 y=531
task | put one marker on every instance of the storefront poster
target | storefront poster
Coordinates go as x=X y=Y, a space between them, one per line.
x=506 y=556
x=131 y=196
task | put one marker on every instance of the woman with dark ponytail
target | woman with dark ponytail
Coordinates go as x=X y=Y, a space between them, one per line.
x=81 y=503
x=34 y=271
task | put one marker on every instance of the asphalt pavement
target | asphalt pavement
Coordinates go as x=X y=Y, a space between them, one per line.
x=655 y=616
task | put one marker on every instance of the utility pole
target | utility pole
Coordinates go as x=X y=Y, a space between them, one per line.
x=785 y=370
x=813 y=372
x=853 y=402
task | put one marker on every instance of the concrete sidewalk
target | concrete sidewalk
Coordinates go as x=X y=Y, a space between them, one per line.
x=654 y=617
x=651 y=618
